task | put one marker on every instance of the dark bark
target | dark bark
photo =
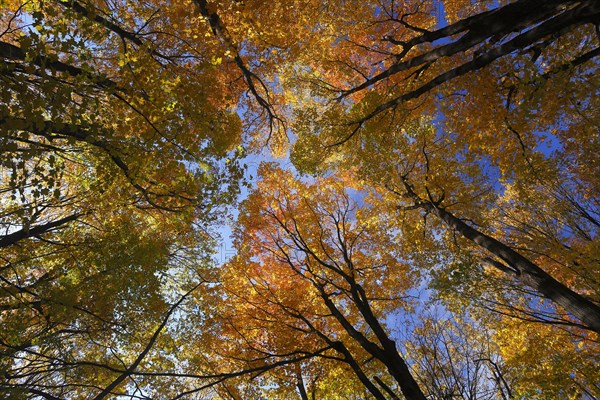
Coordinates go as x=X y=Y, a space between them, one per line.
x=526 y=271
x=477 y=29
x=131 y=369
x=534 y=22
x=339 y=346
x=335 y=345
x=558 y=24
x=387 y=353
x=11 y=52
x=253 y=81
x=96 y=17
x=389 y=356
x=386 y=388
x=300 y=386
x=13 y=238
x=45 y=395
x=108 y=24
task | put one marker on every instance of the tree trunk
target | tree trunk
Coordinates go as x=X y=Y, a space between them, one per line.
x=527 y=272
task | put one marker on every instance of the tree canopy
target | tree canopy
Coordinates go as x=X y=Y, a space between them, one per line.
x=424 y=222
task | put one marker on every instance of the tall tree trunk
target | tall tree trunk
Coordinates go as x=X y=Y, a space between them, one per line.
x=526 y=271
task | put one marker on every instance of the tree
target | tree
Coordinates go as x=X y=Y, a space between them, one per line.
x=427 y=180
x=416 y=56
x=113 y=167
x=459 y=144
x=316 y=275
x=457 y=359
x=481 y=129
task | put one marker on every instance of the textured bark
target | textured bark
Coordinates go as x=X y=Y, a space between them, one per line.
x=339 y=346
x=386 y=351
x=535 y=21
x=387 y=354
x=477 y=29
x=525 y=270
x=386 y=388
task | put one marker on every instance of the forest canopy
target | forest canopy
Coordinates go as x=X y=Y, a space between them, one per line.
x=411 y=186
